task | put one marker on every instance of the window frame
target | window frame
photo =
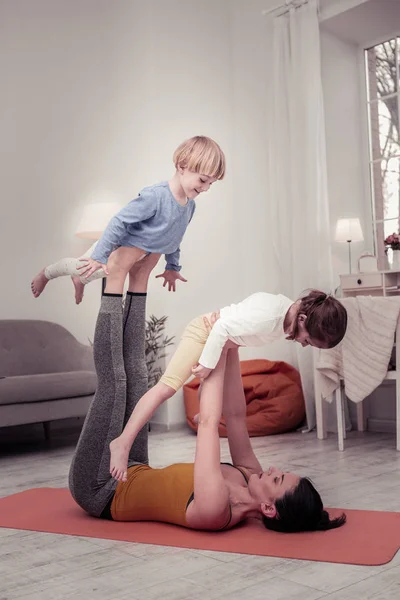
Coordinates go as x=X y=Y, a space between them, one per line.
x=367 y=158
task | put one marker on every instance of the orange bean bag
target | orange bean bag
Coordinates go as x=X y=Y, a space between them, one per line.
x=274 y=398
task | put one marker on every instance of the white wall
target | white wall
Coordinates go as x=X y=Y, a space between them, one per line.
x=347 y=154
x=226 y=252
x=345 y=139
x=185 y=90
x=362 y=22
x=55 y=110
x=97 y=94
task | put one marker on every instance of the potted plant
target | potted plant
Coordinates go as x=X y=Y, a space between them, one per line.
x=156 y=342
x=393 y=242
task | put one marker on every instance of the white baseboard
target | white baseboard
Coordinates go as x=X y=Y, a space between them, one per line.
x=164 y=427
x=381 y=425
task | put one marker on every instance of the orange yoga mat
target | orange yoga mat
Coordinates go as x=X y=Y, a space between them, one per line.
x=368 y=538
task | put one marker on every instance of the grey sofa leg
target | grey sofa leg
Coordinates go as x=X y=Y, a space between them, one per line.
x=46 y=427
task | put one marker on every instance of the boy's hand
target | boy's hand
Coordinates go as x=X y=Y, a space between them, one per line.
x=201 y=372
x=170 y=277
x=90 y=266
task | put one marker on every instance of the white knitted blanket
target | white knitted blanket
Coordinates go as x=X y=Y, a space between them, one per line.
x=362 y=358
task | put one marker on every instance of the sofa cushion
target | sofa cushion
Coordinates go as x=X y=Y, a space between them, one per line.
x=49 y=386
x=33 y=347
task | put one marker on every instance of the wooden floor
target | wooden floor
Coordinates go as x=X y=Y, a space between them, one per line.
x=39 y=566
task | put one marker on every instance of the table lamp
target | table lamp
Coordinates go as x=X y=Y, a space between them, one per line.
x=349 y=230
x=95 y=218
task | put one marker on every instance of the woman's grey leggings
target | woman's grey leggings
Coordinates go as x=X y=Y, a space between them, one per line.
x=119 y=356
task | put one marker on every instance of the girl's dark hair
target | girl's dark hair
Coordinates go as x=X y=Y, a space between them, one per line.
x=302 y=510
x=326 y=318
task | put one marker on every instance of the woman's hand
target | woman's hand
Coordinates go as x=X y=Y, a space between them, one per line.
x=200 y=371
x=90 y=266
x=209 y=323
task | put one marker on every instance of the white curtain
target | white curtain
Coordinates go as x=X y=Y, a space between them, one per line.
x=297 y=173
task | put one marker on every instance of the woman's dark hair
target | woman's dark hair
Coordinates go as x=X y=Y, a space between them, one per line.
x=302 y=510
x=326 y=318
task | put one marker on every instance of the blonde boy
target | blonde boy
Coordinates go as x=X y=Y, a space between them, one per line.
x=153 y=223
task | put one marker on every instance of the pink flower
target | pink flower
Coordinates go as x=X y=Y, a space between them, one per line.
x=393 y=241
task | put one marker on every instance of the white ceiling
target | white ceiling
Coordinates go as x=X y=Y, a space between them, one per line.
x=367 y=23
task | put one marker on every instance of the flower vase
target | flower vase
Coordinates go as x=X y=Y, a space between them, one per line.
x=396 y=260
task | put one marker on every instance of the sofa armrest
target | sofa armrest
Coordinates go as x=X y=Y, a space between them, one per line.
x=85 y=357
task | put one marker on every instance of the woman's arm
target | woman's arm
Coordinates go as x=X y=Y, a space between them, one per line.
x=234 y=410
x=210 y=509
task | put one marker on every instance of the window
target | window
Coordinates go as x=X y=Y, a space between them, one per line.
x=382 y=70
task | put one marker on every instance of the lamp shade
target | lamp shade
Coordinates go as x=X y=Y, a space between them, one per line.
x=348 y=230
x=95 y=218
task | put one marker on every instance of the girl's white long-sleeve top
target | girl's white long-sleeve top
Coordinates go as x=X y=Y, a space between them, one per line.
x=253 y=322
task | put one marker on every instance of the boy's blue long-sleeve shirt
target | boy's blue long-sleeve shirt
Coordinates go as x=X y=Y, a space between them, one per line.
x=154 y=222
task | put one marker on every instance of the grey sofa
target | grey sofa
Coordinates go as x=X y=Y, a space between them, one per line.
x=45 y=373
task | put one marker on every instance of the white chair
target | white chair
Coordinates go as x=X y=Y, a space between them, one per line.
x=320 y=404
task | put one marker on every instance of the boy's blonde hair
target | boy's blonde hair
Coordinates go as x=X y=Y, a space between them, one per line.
x=201 y=155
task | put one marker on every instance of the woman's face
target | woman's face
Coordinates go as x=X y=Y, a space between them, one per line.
x=271 y=485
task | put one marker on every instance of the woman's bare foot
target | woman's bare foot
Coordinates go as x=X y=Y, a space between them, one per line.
x=38 y=283
x=119 y=459
x=79 y=288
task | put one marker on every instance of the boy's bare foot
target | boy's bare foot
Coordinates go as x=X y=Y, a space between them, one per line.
x=119 y=460
x=79 y=288
x=38 y=283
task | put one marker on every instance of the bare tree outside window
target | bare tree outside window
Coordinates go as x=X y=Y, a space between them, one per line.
x=382 y=67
